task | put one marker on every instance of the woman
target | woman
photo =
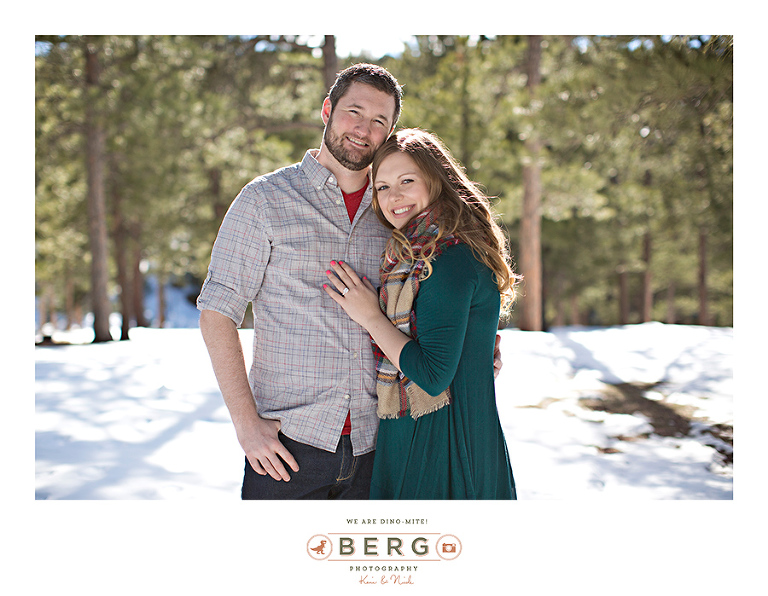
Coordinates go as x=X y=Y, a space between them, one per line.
x=444 y=275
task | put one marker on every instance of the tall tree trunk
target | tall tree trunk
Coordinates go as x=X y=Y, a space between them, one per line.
x=330 y=61
x=704 y=318
x=465 y=133
x=647 y=278
x=531 y=318
x=95 y=142
x=708 y=187
x=647 y=275
x=120 y=235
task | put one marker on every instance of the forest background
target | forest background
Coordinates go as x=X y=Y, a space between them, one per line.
x=610 y=160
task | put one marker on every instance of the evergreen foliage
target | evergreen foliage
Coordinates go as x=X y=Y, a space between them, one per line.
x=636 y=157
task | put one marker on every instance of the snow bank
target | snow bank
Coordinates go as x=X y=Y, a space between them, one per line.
x=143 y=419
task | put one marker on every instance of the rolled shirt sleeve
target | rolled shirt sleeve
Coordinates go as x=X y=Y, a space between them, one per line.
x=238 y=259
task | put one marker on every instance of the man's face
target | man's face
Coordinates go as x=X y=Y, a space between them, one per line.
x=361 y=121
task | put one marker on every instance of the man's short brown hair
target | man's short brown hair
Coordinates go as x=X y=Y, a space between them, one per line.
x=370 y=74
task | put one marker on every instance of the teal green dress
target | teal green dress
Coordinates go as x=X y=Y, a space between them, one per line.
x=458 y=451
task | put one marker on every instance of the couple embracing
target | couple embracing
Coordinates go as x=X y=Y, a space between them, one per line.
x=376 y=273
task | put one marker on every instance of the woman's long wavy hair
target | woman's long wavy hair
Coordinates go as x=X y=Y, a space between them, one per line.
x=463 y=209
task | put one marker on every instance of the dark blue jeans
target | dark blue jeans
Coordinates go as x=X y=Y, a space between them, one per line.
x=321 y=475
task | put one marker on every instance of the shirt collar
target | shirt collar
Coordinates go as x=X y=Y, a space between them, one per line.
x=317 y=174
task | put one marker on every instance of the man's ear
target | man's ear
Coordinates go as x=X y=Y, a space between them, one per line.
x=325 y=113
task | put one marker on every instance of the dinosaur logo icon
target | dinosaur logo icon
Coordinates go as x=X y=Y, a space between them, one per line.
x=319 y=547
x=320 y=550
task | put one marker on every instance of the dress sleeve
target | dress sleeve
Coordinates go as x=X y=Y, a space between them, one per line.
x=442 y=315
x=238 y=259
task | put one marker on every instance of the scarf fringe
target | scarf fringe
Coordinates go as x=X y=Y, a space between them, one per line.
x=432 y=408
x=414 y=415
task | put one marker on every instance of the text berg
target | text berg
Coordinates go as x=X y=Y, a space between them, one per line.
x=419 y=546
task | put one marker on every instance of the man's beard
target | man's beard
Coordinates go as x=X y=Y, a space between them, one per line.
x=351 y=161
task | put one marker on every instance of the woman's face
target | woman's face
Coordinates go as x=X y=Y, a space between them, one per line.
x=401 y=189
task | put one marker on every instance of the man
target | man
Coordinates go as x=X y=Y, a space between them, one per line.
x=309 y=402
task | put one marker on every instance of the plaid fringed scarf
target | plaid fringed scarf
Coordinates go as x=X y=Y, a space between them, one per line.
x=399 y=285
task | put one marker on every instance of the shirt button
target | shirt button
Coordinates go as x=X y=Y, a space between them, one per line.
x=354 y=355
x=331 y=180
x=347 y=396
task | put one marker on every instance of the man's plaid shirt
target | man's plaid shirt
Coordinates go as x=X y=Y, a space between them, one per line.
x=311 y=363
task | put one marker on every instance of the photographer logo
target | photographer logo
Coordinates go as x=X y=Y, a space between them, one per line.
x=379 y=558
x=384 y=548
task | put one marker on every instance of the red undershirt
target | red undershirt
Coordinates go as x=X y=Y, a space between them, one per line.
x=352 y=202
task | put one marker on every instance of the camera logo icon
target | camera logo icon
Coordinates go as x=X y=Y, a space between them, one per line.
x=448 y=547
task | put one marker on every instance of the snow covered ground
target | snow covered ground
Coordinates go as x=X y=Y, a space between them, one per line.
x=143 y=419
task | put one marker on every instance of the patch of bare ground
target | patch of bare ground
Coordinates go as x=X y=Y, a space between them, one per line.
x=667 y=419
